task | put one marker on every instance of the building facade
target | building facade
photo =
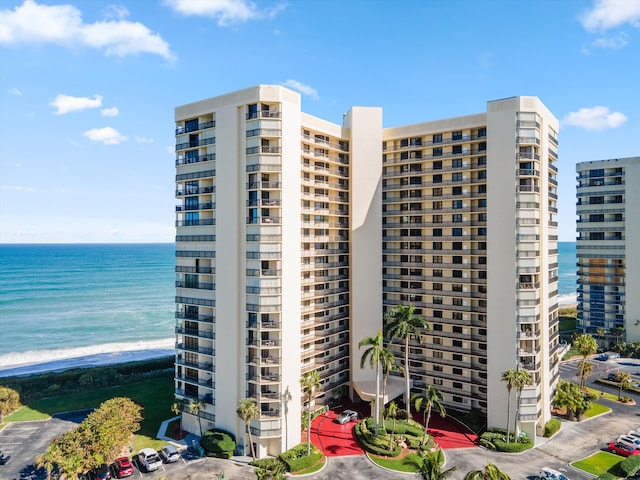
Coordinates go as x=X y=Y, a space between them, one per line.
x=608 y=206
x=295 y=235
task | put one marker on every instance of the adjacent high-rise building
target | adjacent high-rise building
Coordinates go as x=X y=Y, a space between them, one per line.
x=295 y=235
x=608 y=210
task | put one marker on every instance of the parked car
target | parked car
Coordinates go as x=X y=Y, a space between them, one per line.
x=100 y=473
x=169 y=454
x=621 y=449
x=634 y=433
x=149 y=459
x=123 y=467
x=346 y=417
x=550 y=474
x=613 y=377
x=629 y=441
x=603 y=357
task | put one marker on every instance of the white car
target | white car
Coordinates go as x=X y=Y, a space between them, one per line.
x=149 y=459
x=629 y=441
x=634 y=433
x=550 y=474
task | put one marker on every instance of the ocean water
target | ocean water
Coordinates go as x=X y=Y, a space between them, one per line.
x=77 y=305
x=567 y=272
x=69 y=301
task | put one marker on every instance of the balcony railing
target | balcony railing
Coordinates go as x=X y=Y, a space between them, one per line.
x=200 y=126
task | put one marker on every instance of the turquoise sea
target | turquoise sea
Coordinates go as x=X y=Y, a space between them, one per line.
x=70 y=301
x=65 y=305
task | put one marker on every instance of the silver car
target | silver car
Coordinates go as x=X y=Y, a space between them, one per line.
x=169 y=454
x=346 y=417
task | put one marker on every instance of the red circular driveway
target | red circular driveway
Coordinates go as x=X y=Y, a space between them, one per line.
x=335 y=440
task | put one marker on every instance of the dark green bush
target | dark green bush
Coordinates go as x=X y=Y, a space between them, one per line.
x=296 y=458
x=269 y=468
x=552 y=427
x=486 y=443
x=630 y=465
x=495 y=439
x=377 y=445
x=607 y=476
x=218 y=443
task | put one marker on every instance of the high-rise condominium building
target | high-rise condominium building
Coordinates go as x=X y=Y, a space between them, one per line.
x=608 y=210
x=295 y=235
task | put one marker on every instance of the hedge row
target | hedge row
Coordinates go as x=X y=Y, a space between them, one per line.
x=495 y=439
x=373 y=444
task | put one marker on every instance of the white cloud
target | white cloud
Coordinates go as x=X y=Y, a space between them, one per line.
x=63 y=25
x=66 y=104
x=15 y=91
x=18 y=188
x=143 y=139
x=110 y=112
x=226 y=12
x=595 y=118
x=106 y=135
x=607 y=14
x=302 y=88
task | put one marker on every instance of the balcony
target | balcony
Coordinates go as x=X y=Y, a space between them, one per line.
x=198 y=286
x=199 y=142
x=263 y=114
x=199 y=206
x=263 y=149
x=195 y=191
x=200 y=126
x=203 y=350
x=209 y=157
x=192 y=332
x=197 y=318
x=196 y=223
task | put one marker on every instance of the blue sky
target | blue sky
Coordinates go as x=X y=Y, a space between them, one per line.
x=88 y=88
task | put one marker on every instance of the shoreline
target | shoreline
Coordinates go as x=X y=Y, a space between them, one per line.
x=86 y=361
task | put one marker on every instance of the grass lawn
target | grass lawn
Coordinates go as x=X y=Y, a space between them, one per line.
x=599 y=463
x=596 y=409
x=567 y=324
x=313 y=468
x=155 y=395
x=393 y=463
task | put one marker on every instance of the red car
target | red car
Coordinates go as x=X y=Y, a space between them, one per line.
x=623 y=450
x=123 y=467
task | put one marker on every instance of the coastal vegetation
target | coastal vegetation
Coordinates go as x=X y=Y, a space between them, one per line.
x=149 y=384
x=9 y=401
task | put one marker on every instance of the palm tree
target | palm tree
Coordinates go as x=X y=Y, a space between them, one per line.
x=402 y=324
x=194 y=409
x=375 y=354
x=177 y=408
x=509 y=377
x=430 y=465
x=388 y=363
x=586 y=345
x=393 y=411
x=248 y=410
x=602 y=333
x=489 y=472
x=623 y=379
x=523 y=378
x=309 y=381
x=431 y=399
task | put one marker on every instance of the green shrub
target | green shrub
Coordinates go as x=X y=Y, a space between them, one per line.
x=486 y=443
x=607 y=476
x=552 y=427
x=377 y=445
x=218 y=443
x=296 y=458
x=269 y=469
x=630 y=465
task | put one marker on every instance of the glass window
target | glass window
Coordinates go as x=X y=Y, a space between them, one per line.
x=456 y=136
x=456 y=204
x=456 y=232
x=456 y=177
x=437 y=138
x=457 y=217
x=437 y=179
x=437 y=151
